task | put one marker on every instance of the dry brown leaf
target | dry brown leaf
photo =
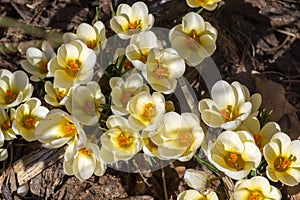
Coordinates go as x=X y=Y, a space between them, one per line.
x=273 y=98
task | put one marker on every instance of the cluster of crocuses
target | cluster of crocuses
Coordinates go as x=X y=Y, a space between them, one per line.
x=141 y=119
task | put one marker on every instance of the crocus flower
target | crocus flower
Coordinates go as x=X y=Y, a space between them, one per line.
x=85 y=103
x=120 y=142
x=194 y=39
x=256 y=188
x=14 y=88
x=123 y=90
x=93 y=36
x=58 y=129
x=3 y=154
x=56 y=96
x=37 y=60
x=6 y=121
x=196 y=179
x=131 y=20
x=28 y=116
x=196 y=195
x=140 y=45
x=229 y=106
x=146 y=110
x=234 y=153
x=263 y=135
x=85 y=162
x=73 y=64
x=207 y=4
x=178 y=140
x=162 y=69
x=283 y=158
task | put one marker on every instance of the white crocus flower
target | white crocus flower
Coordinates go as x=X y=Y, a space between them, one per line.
x=283 y=158
x=28 y=116
x=178 y=140
x=162 y=69
x=262 y=136
x=14 y=88
x=140 y=45
x=234 y=153
x=196 y=195
x=37 y=60
x=93 y=36
x=120 y=141
x=73 y=64
x=123 y=90
x=230 y=105
x=209 y=5
x=58 y=129
x=145 y=110
x=85 y=103
x=196 y=179
x=256 y=188
x=55 y=96
x=85 y=163
x=3 y=154
x=6 y=121
x=131 y=20
x=194 y=39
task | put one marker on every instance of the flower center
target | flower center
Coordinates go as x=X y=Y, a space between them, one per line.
x=135 y=25
x=6 y=126
x=256 y=195
x=161 y=71
x=186 y=137
x=150 y=111
x=281 y=164
x=86 y=151
x=90 y=108
x=257 y=139
x=29 y=122
x=73 y=67
x=125 y=98
x=91 y=44
x=43 y=67
x=234 y=160
x=203 y=2
x=70 y=129
x=61 y=93
x=124 y=139
x=194 y=40
x=10 y=96
x=230 y=113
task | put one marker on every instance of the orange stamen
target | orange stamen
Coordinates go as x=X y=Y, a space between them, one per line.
x=124 y=139
x=6 y=125
x=70 y=129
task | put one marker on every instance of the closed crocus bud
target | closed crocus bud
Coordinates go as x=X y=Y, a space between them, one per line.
x=230 y=105
x=209 y=5
x=73 y=64
x=236 y=159
x=194 y=39
x=14 y=88
x=28 y=116
x=131 y=20
x=256 y=188
x=37 y=60
x=283 y=158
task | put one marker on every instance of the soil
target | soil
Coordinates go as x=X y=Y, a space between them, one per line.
x=258 y=45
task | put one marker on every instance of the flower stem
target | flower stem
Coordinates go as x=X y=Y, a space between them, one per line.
x=208 y=165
